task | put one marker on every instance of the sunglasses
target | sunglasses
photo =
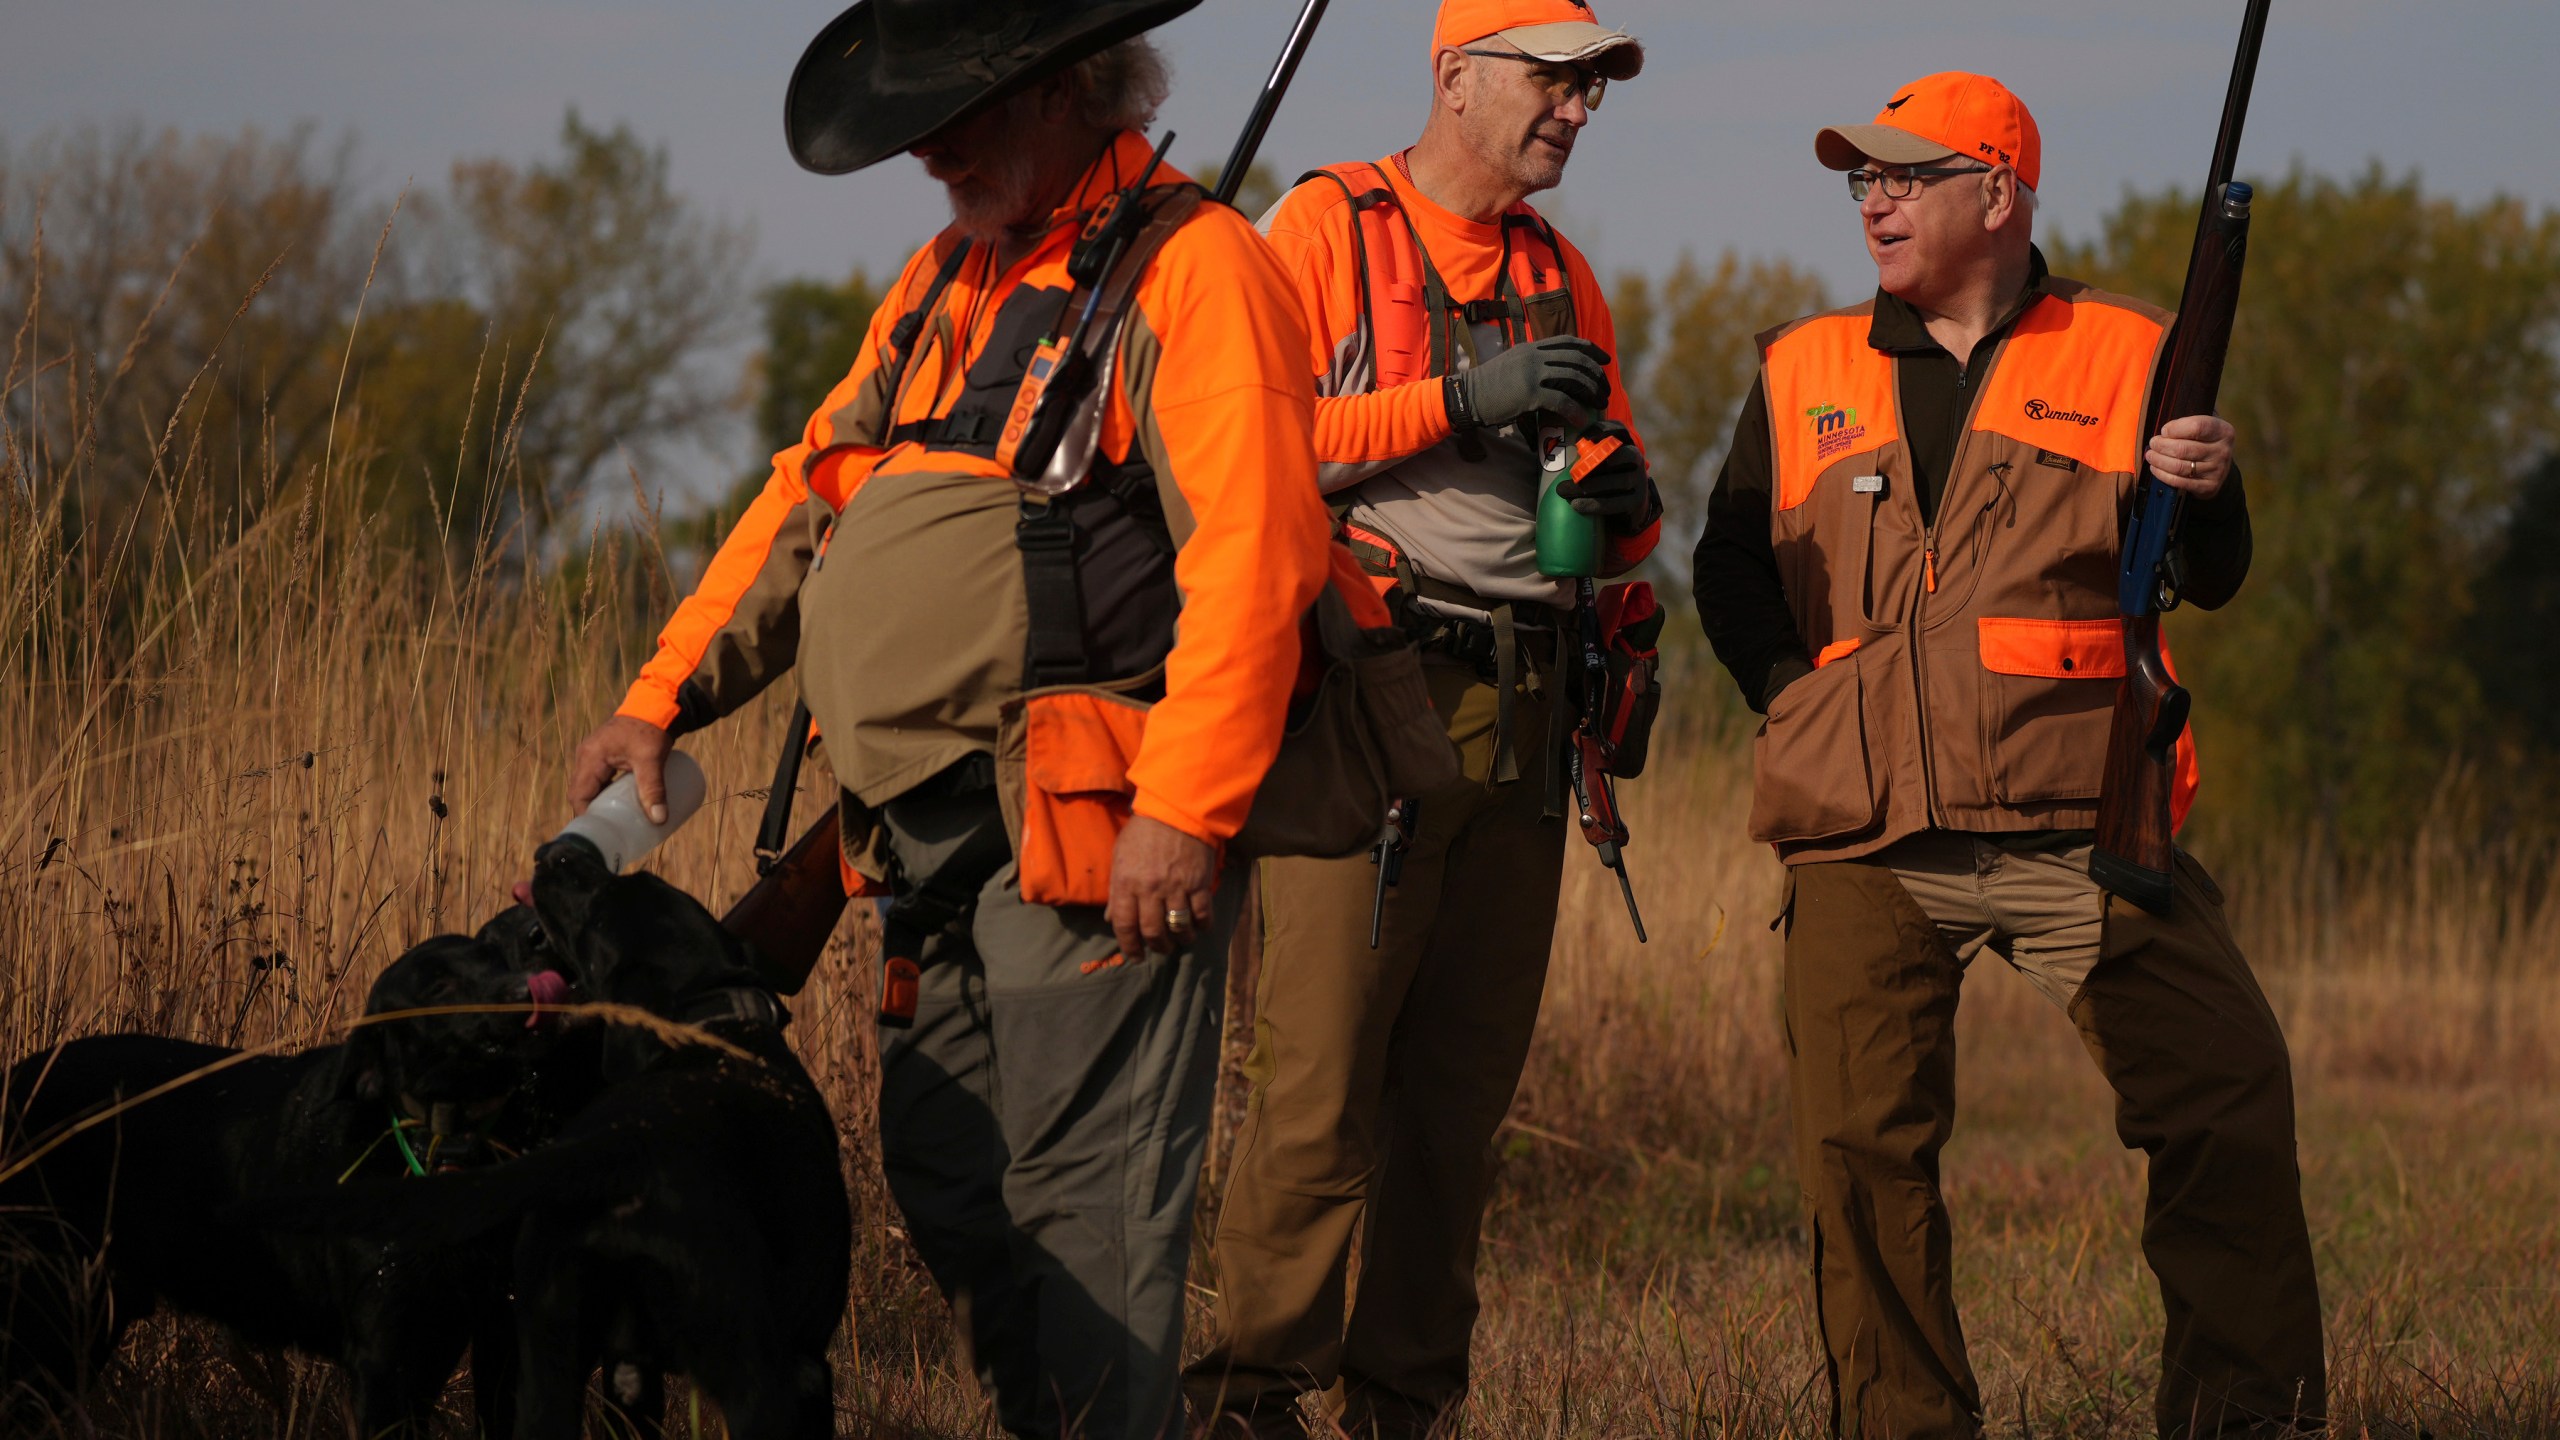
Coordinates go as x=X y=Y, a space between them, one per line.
x=1562 y=82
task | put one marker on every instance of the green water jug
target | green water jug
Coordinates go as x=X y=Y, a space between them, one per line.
x=1568 y=540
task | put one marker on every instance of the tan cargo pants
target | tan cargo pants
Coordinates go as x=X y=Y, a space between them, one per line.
x=1876 y=953
x=1378 y=1080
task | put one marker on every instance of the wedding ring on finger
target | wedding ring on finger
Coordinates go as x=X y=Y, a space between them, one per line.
x=1177 y=919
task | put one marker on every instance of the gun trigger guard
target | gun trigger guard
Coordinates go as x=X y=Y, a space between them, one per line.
x=2170 y=721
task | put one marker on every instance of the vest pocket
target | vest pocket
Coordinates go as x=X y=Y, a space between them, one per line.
x=1814 y=776
x=1075 y=748
x=2046 y=732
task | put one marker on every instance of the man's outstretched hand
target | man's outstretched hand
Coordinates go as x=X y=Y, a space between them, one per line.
x=621 y=746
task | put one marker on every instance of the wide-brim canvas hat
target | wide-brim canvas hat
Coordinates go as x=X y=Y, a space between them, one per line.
x=887 y=73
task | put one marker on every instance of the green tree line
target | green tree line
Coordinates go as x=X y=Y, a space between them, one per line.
x=530 y=330
x=495 y=345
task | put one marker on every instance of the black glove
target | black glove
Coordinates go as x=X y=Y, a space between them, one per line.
x=1541 y=375
x=1617 y=489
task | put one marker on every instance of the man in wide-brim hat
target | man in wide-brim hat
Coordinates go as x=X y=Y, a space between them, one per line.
x=1037 y=767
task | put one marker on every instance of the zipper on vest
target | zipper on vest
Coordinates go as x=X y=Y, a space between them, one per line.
x=1919 y=677
x=1929 y=571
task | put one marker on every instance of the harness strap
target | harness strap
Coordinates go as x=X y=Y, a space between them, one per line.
x=902 y=336
x=1054 y=649
x=1054 y=652
x=1506 y=683
x=1361 y=200
x=751 y=1005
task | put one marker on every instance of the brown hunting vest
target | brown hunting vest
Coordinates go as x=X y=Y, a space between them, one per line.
x=1966 y=670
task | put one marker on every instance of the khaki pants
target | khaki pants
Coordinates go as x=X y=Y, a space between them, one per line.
x=1876 y=952
x=1041 y=1127
x=1378 y=1080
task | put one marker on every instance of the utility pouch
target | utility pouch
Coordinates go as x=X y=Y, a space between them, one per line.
x=1062 y=777
x=1631 y=622
x=1361 y=730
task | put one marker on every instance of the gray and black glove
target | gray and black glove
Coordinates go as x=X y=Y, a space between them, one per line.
x=1617 y=489
x=1547 y=374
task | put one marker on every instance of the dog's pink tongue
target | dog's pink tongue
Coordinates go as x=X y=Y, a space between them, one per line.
x=545 y=988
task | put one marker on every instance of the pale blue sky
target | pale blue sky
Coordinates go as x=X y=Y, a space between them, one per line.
x=1711 y=146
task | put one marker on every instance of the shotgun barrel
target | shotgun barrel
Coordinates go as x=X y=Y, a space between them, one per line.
x=1267 y=104
x=2135 y=842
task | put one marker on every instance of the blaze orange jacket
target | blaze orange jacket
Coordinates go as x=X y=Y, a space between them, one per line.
x=884 y=564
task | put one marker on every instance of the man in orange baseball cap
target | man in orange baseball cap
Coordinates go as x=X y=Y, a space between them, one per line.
x=1937 y=118
x=1562 y=32
x=1909 y=566
x=1451 y=331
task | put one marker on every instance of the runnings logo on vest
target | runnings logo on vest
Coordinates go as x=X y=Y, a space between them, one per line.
x=1836 y=431
x=2038 y=410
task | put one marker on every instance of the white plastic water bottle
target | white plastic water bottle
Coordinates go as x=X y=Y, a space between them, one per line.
x=618 y=826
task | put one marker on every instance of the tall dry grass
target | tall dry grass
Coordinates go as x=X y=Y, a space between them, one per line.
x=255 y=750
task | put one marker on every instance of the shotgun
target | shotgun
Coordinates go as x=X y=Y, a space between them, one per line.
x=791 y=910
x=2135 y=847
x=1267 y=104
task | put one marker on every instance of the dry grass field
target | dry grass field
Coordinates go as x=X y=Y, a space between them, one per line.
x=253 y=751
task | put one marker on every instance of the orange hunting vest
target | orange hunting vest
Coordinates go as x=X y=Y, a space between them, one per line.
x=1413 y=326
x=1967 y=671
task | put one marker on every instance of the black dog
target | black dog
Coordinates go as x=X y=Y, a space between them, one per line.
x=692 y=1219
x=156 y=1205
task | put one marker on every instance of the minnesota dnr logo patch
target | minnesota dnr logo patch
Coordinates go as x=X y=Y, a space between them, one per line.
x=1836 y=431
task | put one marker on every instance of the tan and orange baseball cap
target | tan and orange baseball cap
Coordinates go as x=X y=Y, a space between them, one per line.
x=1564 y=31
x=1936 y=116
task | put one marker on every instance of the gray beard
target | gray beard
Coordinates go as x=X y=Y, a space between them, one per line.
x=998 y=196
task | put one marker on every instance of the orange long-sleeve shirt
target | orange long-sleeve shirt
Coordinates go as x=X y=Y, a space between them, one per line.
x=914 y=630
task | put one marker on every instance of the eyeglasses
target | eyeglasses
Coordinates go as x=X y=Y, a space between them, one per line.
x=1561 y=82
x=1904 y=181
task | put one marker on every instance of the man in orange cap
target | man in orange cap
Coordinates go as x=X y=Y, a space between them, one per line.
x=1451 y=326
x=1910 y=566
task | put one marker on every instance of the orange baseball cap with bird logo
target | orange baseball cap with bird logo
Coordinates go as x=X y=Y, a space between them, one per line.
x=1564 y=31
x=1936 y=116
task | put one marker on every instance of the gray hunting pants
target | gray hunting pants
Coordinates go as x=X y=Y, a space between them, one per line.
x=1042 y=1126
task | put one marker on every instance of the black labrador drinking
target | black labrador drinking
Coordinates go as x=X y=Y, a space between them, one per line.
x=158 y=1204
x=692 y=1219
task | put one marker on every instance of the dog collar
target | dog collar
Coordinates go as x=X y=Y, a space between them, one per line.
x=751 y=1005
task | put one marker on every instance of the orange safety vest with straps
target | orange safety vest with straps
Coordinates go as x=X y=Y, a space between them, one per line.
x=1967 y=668
x=1408 y=324
x=1410 y=328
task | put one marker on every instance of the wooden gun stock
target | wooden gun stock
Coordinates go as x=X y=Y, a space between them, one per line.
x=2135 y=846
x=789 y=914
